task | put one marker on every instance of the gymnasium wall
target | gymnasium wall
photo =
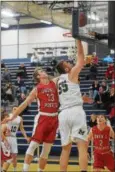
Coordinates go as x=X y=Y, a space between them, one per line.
x=31 y=38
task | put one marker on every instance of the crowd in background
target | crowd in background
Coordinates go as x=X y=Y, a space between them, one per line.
x=102 y=93
x=12 y=92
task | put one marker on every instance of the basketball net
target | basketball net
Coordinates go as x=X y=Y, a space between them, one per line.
x=67 y=34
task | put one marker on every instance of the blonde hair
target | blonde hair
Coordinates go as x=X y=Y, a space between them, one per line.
x=35 y=74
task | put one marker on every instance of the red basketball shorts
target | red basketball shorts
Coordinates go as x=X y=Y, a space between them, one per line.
x=104 y=160
x=46 y=129
x=5 y=157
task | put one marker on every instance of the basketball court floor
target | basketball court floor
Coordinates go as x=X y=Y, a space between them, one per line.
x=53 y=165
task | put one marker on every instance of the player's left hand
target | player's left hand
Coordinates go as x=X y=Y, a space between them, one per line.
x=90 y=101
x=28 y=139
x=92 y=34
x=87 y=99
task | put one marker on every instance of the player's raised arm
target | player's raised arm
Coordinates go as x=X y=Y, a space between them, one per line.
x=80 y=61
x=22 y=106
x=23 y=131
x=90 y=136
x=3 y=130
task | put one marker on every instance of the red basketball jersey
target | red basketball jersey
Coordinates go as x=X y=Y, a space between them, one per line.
x=48 y=97
x=101 y=139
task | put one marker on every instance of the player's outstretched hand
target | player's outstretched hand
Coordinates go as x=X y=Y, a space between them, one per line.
x=87 y=99
x=90 y=101
x=92 y=34
x=6 y=120
x=28 y=139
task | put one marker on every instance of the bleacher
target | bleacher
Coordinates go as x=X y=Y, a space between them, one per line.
x=28 y=118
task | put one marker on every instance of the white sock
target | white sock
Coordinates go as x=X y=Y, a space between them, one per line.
x=40 y=170
x=25 y=167
x=15 y=169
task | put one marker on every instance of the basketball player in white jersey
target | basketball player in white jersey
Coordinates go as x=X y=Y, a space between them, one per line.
x=72 y=118
x=13 y=127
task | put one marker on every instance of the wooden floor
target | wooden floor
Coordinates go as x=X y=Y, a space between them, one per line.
x=50 y=168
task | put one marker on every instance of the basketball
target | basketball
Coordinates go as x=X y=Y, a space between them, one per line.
x=82 y=19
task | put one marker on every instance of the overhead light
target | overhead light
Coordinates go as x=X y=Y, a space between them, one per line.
x=112 y=51
x=93 y=17
x=4 y=25
x=46 y=22
x=7 y=13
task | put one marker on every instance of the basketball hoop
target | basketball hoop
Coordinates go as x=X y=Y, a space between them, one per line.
x=67 y=34
x=86 y=5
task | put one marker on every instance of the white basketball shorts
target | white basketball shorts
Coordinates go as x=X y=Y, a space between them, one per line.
x=13 y=144
x=72 y=125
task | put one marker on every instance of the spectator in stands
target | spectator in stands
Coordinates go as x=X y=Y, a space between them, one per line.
x=3 y=65
x=95 y=59
x=88 y=60
x=113 y=74
x=34 y=60
x=105 y=86
x=22 y=71
x=92 y=72
x=21 y=87
x=102 y=98
x=6 y=75
x=9 y=92
x=111 y=106
x=93 y=120
x=110 y=71
x=22 y=98
x=94 y=89
x=3 y=96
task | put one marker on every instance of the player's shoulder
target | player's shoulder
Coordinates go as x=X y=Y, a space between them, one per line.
x=20 y=117
x=94 y=128
x=63 y=76
x=107 y=128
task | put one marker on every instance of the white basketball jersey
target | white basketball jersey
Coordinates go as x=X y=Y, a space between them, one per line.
x=69 y=93
x=13 y=126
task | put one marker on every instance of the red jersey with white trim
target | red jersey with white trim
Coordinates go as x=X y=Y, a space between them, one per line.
x=5 y=152
x=101 y=139
x=48 y=97
x=5 y=147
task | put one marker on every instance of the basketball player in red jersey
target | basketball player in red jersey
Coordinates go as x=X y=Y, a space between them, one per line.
x=101 y=134
x=6 y=157
x=46 y=94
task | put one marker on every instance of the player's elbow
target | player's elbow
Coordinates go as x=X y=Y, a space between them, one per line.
x=22 y=130
x=81 y=64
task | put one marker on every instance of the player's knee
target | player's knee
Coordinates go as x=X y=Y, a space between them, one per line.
x=46 y=150
x=33 y=145
x=14 y=155
x=9 y=161
x=66 y=147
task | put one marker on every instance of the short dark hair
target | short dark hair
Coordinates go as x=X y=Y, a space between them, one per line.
x=60 y=68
